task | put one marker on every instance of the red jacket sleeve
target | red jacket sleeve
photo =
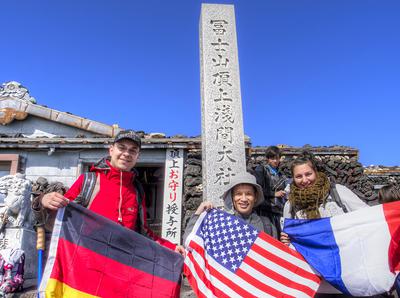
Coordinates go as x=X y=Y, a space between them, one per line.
x=151 y=234
x=75 y=189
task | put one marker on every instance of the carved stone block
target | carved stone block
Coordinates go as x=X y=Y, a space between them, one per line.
x=222 y=121
x=26 y=240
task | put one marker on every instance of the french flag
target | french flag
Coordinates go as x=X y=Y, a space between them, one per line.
x=358 y=252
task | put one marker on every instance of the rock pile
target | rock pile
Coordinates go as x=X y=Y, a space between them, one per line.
x=43 y=186
x=381 y=175
x=343 y=169
x=193 y=187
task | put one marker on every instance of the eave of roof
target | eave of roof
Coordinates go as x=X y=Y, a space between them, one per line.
x=147 y=143
x=382 y=171
x=65 y=118
x=320 y=150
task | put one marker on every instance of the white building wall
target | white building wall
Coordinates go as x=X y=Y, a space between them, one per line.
x=58 y=167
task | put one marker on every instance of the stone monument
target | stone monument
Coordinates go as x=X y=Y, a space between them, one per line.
x=223 y=149
x=16 y=231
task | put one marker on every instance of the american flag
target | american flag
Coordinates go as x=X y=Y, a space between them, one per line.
x=228 y=258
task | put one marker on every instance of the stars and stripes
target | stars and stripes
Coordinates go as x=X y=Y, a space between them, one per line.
x=228 y=258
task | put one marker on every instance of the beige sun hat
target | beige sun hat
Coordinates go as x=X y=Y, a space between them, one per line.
x=242 y=178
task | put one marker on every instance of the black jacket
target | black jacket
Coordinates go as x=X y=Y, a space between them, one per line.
x=270 y=184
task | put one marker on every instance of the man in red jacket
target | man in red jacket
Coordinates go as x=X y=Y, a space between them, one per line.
x=114 y=195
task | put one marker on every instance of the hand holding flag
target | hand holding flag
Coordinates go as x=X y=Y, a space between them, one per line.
x=357 y=252
x=229 y=258
x=91 y=256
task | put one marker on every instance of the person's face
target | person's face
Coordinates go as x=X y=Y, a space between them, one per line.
x=124 y=155
x=244 y=198
x=274 y=161
x=304 y=175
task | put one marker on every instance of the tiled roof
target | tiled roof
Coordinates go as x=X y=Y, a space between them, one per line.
x=15 y=103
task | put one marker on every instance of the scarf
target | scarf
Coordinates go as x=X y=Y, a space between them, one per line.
x=272 y=170
x=309 y=199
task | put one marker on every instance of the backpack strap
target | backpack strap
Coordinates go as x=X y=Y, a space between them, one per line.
x=264 y=180
x=139 y=191
x=266 y=174
x=336 y=198
x=139 y=198
x=259 y=174
x=91 y=185
x=292 y=211
x=85 y=197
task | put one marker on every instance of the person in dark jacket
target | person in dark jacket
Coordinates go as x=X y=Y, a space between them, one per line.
x=115 y=195
x=273 y=184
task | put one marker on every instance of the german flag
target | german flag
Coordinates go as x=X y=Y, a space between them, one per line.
x=91 y=256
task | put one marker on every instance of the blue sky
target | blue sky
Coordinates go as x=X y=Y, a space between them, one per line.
x=312 y=72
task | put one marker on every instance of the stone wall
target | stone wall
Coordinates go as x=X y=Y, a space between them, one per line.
x=338 y=162
x=193 y=187
x=381 y=175
x=342 y=165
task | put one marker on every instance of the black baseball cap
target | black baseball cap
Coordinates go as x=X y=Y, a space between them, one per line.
x=129 y=135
